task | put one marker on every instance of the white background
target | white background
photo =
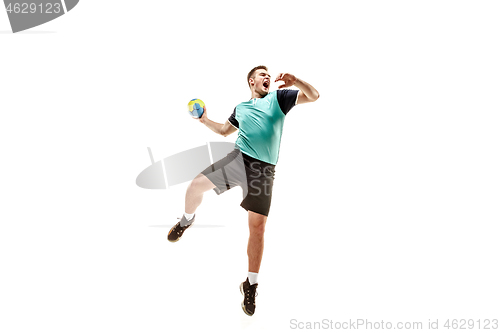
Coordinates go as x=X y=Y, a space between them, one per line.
x=386 y=199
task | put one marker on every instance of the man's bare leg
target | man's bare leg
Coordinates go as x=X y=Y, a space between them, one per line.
x=257 y=225
x=194 y=193
x=194 y=196
x=255 y=249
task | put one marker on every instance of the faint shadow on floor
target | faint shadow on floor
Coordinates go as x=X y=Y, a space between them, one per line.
x=194 y=226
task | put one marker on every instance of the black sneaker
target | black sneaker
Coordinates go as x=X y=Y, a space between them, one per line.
x=249 y=291
x=176 y=232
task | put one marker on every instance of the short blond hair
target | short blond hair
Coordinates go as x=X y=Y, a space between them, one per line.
x=252 y=72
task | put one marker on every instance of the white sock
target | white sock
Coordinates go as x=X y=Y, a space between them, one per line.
x=252 y=277
x=188 y=217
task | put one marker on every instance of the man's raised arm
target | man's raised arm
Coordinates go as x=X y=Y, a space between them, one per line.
x=307 y=92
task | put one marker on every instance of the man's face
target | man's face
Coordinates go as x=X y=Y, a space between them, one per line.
x=261 y=82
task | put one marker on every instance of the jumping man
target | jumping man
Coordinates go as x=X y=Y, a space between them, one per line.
x=251 y=164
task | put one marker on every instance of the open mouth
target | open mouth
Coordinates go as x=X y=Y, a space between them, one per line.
x=266 y=84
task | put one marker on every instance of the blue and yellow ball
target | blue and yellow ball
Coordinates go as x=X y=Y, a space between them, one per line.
x=195 y=107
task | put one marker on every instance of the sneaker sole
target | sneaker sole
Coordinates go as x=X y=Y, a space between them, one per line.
x=173 y=241
x=243 y=303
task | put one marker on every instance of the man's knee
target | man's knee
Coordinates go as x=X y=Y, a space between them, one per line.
x=201 y=183
x=257 y=224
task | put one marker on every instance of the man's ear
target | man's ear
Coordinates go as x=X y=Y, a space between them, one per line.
x=251 y=81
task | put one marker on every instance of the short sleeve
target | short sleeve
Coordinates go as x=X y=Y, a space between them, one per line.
x=287 y=99
x=232 y=119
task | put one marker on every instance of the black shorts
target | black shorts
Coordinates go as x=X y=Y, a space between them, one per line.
x=255 y=177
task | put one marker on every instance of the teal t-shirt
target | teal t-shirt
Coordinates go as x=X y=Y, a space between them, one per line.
x=260 y=123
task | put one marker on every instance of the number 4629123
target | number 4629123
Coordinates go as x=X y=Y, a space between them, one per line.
x=32 y=8
x=471 y=324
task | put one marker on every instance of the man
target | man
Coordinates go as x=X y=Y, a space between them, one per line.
x=251 y=165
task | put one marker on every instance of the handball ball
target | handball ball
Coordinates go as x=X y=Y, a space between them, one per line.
x=195 y=107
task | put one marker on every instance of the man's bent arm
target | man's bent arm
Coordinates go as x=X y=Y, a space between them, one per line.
x=307 y=92
x=222 y=129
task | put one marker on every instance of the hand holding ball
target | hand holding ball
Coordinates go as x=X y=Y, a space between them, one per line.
x=195 y=108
